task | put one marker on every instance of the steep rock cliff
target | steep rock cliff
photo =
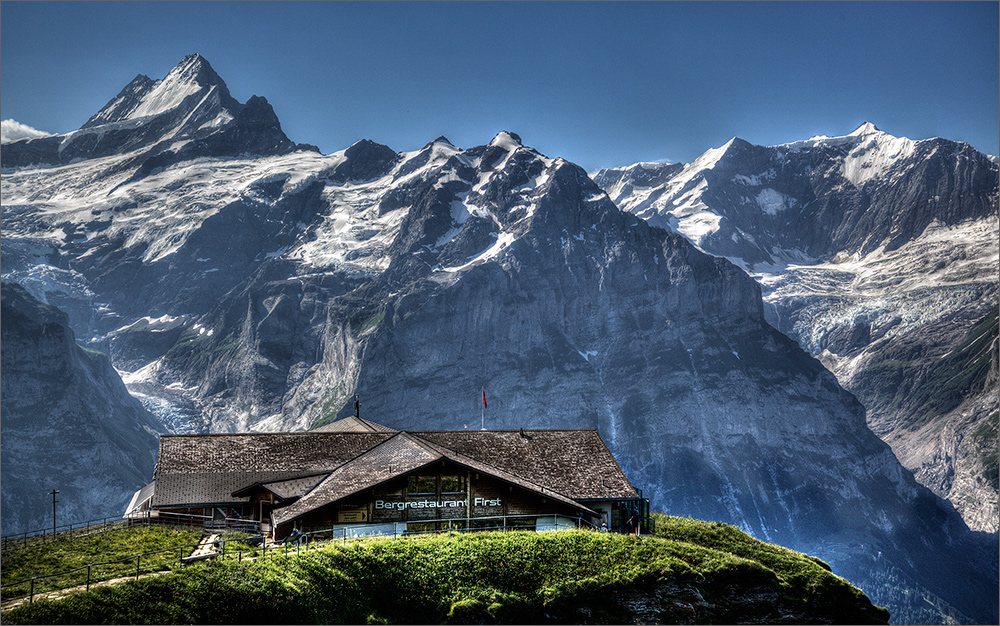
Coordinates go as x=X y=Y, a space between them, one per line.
x=68 y=423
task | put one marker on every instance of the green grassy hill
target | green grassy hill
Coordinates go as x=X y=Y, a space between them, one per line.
x=691 y=572
x=112 y=552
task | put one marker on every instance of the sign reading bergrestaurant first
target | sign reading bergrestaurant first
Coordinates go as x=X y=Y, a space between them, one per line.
x=434 y=504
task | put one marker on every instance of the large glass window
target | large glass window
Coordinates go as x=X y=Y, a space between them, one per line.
x=522 y=523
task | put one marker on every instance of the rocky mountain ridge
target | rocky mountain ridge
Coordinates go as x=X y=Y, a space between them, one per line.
x=262 y=291
x=879 y=255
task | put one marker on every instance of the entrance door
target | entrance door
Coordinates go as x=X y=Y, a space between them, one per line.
x=265 y=516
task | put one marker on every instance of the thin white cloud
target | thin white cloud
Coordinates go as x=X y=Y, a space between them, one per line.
x=11 y=130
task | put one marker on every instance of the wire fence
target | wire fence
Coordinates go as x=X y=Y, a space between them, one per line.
x=243 y=548
x=81 y=529
x=43 y=535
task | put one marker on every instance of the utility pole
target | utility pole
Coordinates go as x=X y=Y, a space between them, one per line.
x=53 y=494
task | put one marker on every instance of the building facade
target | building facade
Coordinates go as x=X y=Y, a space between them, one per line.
x=354 y=473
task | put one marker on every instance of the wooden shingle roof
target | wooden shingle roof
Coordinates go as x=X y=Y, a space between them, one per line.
x=263 y=452
x=196 y=470
x=576 y=463
x=286 y=488
x=353 y=424
x=540 y=488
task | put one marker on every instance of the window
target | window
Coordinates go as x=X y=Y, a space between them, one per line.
x=453 y=484
x=428 y=485
x=422 y=485
x=521 y=524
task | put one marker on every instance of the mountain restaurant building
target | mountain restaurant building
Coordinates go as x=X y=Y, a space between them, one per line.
x=356 y=474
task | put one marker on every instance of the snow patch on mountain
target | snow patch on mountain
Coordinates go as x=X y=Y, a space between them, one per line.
x=905 y=288
x=168 y=94
x=358 y=230
x=773 y=202
x=873 y=157
x=158 y=212
x=941 y=256
x=676 y=204
x=506 y=140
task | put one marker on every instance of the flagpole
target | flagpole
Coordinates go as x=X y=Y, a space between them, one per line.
x=483 y=424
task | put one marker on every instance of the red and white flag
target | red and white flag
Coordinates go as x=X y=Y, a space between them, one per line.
x=484 y=398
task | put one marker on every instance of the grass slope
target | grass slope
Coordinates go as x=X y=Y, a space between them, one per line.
x=106 y=548
x=692 y=572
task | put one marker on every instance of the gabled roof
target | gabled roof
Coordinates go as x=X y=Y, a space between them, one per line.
x=198 y=489
x=303 y=453
x=404 y=453
x=353 y=424
x=399 y=455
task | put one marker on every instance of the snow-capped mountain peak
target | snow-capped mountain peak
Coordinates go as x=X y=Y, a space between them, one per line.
x=440 y=140
x=506 y=140
x=152 y=124
x=144 y=97
x=712 y=156
x=865 y=129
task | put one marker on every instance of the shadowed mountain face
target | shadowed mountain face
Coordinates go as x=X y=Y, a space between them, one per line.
x=262 y=292
x=68 y=423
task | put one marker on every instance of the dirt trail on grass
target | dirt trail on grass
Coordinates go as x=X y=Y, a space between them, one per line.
x=62 y=593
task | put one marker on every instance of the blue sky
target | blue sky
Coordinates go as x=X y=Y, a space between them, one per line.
x=600 y=84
